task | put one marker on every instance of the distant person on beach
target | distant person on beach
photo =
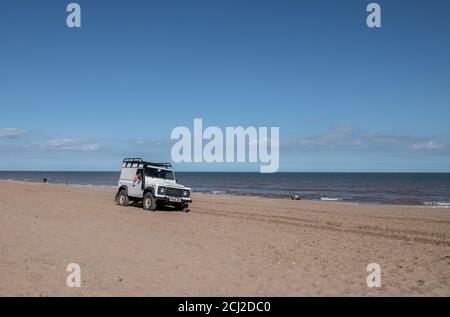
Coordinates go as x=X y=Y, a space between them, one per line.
x=44 y=180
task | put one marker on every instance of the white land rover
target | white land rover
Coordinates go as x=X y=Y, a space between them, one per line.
x=152 y=184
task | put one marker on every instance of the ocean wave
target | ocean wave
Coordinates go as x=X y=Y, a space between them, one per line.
x=331 y=199
x=218 y=192
x=441 y=204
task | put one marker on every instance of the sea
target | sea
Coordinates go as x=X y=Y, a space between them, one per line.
x=428 y=189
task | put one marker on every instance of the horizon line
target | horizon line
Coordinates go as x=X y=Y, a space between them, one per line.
x=253 y=172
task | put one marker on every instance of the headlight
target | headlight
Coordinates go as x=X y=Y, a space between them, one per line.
x=161 y=190
x=186 y=193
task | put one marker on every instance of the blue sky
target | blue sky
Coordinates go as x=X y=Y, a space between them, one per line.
x=346 y=97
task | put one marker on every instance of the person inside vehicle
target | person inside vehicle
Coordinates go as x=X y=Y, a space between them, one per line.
x=138 y=177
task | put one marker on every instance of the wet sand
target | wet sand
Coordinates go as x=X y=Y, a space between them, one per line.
x=226 y=246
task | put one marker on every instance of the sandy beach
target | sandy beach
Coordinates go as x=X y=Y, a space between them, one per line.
x=226 y=246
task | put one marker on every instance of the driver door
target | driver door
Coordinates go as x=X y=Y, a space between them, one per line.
x=135 y=188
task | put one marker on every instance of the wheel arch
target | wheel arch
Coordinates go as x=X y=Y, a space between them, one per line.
x=149 y=189
x=123 y=187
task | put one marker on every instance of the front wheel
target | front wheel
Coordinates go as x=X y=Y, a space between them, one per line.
x=149 y=202
x=122 y=198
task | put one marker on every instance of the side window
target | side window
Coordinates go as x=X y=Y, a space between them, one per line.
x=151 y=172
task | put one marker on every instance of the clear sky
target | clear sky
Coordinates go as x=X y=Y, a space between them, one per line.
x=346 y=97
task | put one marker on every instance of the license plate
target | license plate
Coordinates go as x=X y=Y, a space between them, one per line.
x=175 y=200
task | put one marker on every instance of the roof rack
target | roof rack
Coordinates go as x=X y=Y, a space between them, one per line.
x=165 y=165
x=130 y=162
x=133 y=160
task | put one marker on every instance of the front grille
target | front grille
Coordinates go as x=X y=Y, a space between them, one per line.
x=174 y=192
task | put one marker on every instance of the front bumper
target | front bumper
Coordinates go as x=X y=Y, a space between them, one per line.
x=173 y=199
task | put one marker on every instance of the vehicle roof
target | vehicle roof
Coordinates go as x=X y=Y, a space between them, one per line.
x=139 y=162
x=144 y=166
x=160 y=168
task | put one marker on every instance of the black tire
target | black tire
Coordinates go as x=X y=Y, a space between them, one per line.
x=122 y=198
x=149 y=202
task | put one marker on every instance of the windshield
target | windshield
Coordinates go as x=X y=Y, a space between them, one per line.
x=159 y=173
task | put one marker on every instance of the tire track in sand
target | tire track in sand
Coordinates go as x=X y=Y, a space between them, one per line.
x=387 y=233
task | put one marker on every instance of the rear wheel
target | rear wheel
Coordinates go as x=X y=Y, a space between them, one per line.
x=149 y=202
x=122 y=198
